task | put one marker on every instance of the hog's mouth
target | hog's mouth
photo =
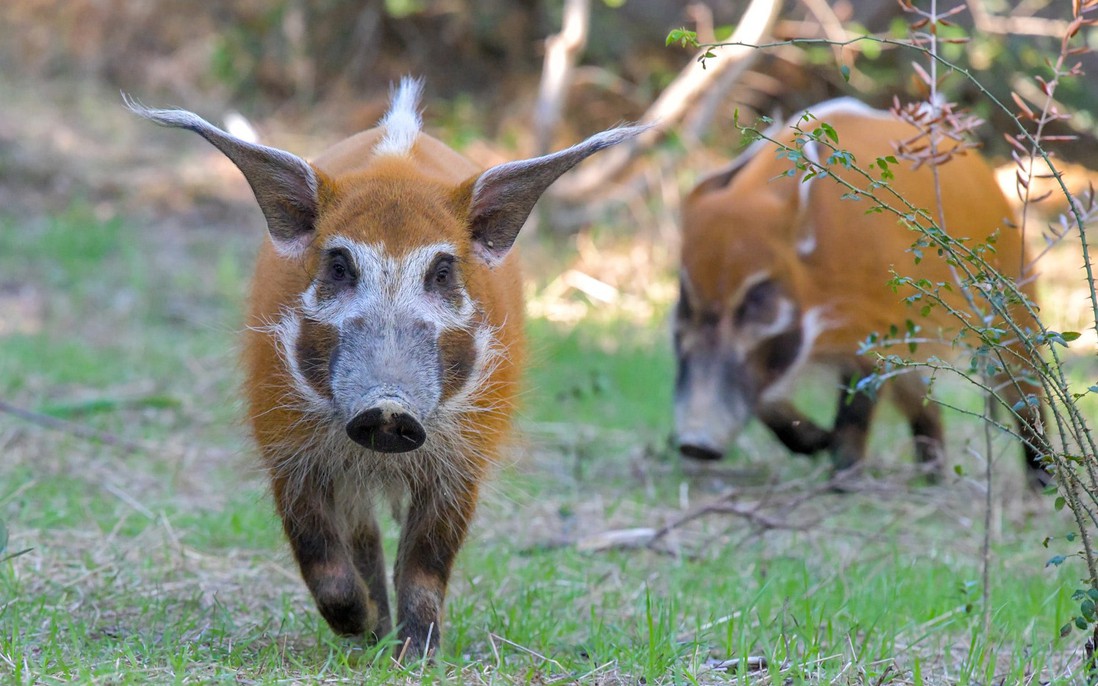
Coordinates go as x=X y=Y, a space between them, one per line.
x=700 y=452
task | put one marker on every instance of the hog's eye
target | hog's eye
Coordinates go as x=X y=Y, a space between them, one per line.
x=339 y=268
x=760 y=303
x=441 y=276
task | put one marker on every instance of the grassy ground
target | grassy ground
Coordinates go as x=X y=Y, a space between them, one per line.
x=159 y=559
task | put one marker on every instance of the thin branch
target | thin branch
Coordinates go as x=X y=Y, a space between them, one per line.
x=74 y=429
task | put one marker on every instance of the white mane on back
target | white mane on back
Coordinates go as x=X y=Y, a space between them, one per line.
x=402 y=122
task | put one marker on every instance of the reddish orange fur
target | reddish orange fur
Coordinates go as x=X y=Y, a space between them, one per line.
x=751 y=225
x=432 y=179
x=738 y=228
x=383 y=349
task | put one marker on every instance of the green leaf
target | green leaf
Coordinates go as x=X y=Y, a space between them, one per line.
x=683 y=36
x=1081 y=623
x=1065 y=630
x=1056 y=561
x=1070 y=336
x=1060 y=502
x=829 y=131
x=845 y=72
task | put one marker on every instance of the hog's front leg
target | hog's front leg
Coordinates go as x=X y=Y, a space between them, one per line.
x=796 y=431
x=318 y=541
x=435 y=526
x=370 y=561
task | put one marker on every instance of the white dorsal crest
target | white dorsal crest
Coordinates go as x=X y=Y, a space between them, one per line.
x=402 y=122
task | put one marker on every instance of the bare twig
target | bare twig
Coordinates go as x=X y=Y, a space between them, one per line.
x=832 y=27
x=492 y=638
x=74 y=429
x=724 y=503
x=986 y=548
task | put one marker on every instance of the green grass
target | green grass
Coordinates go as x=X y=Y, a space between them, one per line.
x=167 y=565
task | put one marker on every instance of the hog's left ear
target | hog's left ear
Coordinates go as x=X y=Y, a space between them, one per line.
x=285 y=186
x=502 y=197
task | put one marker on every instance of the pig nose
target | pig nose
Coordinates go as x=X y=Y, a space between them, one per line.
x=387 y=428
x=698 y=451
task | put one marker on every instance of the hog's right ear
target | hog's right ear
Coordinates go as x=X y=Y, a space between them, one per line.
x=502 y=197
x=286 y=186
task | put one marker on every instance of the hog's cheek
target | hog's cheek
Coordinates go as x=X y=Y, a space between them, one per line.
x=313 y=350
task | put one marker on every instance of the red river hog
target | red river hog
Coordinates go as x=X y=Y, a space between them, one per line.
x=383 y=349
x=780 y=270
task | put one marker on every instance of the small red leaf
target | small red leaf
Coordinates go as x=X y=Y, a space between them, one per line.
x=1022 y=105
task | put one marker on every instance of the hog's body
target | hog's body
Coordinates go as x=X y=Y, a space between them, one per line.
x=779 y=271
x=383 y=350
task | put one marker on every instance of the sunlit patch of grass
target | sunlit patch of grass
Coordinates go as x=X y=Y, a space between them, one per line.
x=600 y=375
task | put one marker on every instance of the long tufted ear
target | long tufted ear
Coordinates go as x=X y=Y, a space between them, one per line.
x=503 y=196
x=285 y=185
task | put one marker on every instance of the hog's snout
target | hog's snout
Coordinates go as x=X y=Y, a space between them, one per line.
x=387 y=428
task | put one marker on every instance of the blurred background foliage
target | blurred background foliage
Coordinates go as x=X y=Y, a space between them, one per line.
x=289 y=56
x=309 y=73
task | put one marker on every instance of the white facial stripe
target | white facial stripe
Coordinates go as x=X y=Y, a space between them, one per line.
x=752 y=333
x=689 y=292
x=388 y=285
x=752 y=279
x=286 y=333
x=388 y=290
x=749 y=282
x=488 y=357
x=813 y=323
x=805 y=232
x=782 y=321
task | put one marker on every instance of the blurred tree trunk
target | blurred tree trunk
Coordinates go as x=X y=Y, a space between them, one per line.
x=562 y=51
x=684 y=93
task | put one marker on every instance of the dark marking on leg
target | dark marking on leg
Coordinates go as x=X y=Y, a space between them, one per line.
x=848 y=437
x=796 y=431
x=925 y=418
x=370 y=561
x=929 y=441
x=324 y=560
x=334 y=582
x=1030 y=421
x=433 y=533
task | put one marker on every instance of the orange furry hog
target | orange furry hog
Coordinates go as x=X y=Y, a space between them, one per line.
x=780 y=270
x=383 y=349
